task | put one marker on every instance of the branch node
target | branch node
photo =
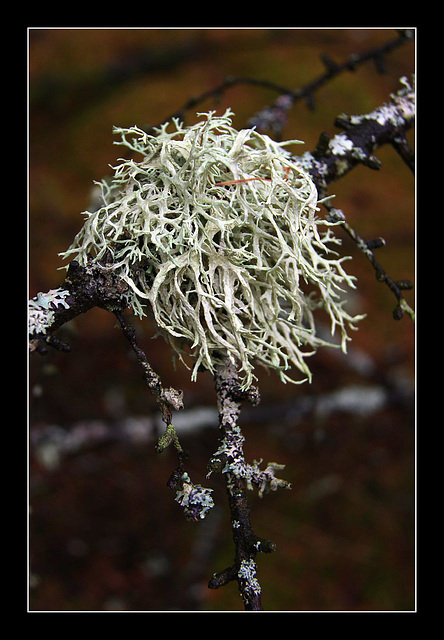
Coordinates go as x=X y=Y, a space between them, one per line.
x=309 y=100
x=404 y=284
x=343 y=121
x=353 y=62
x=250 y=395
x=321 y=148
x=58 y=344
x=222 y=577
x=377 y=243
x=372 y=162
x=380 y=275
x=380 y=64
x=329 y=63
x=264 y=546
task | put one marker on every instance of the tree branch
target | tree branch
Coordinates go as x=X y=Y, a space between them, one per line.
x=167 y=399
x=82 y=289
x=274 y=117
x=367 y=249
x=363 y=135
x=247 y=544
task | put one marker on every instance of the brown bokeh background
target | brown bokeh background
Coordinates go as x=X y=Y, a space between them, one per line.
x=105 y=532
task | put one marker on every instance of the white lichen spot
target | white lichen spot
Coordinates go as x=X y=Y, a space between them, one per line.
x=52 y=298
x=39 y=320
x=359 y=154
x=340 y=144
x=310 y=164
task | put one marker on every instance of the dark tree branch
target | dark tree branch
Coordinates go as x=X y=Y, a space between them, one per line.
x=85 y=288
x=362 y=136
x=82 y=289
x=274 y=117
x=247 y=544
x=169 y=399
x=402 y=147
x=367 y=248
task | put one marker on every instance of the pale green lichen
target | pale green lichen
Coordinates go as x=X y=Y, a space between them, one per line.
x=218 y=230
x=231 y=452
x=195 y=499
x=247 y=573
x=41 y=309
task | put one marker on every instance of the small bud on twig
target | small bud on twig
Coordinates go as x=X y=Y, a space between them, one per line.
x=404 y=284
x=377 y=243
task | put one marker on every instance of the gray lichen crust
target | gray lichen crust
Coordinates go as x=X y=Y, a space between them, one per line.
x=217 y=229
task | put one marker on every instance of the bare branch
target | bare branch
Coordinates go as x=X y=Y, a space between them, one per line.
x=169 y=399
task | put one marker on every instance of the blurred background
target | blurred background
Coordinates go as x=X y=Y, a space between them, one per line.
x=105 y=532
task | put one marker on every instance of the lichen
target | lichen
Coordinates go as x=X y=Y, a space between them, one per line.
x=217 y=230
x=397 y=111
x=340 y=145
x=247 y=572
x=41 y=310
x=231 y=452
x=266 y=480
x=195 y=499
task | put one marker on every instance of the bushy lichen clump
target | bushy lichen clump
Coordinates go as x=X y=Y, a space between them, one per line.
x=217 y=229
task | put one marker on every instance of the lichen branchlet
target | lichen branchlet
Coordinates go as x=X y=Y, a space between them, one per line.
x=217 y=231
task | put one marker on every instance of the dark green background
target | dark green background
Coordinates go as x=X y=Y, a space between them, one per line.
x=104 y=517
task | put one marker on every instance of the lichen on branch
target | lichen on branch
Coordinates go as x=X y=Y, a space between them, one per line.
x=217 y=229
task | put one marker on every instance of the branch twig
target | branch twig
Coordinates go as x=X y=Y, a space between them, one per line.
x=274 y=116
x=367 y=249
x=246 y=543
x=362 y=136
x=167 y=399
